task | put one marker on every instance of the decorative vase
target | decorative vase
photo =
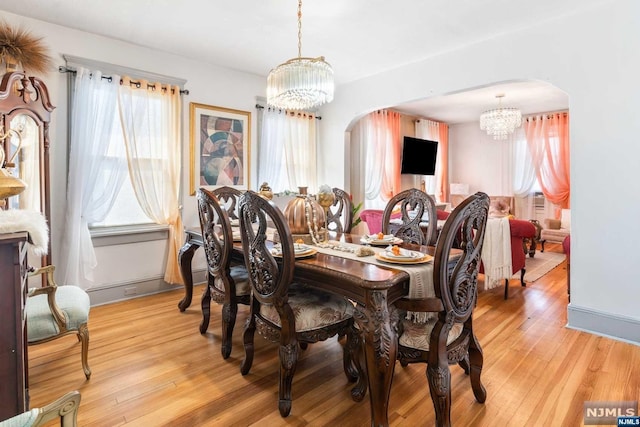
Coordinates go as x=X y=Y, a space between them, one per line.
x=265 y=191
x=303 y=213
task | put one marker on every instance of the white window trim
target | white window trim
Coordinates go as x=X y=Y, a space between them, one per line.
x=125 y=234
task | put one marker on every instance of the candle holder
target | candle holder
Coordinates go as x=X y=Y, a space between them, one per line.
x=325 y=199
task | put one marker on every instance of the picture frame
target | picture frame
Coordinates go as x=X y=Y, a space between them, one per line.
x=219 y=147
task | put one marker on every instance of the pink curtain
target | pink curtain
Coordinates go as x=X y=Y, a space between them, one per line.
x=548 y=141
x=443 y=148
x=387 y=126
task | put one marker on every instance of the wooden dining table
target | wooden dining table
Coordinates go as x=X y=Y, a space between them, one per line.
x=374 y=287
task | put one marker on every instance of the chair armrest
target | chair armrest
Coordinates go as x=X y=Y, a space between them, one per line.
x=65 y=408
x=50 y=291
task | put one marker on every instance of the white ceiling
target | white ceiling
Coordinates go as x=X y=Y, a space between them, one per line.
x=358 y=37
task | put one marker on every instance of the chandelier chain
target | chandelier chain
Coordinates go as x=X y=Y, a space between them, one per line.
x=299 y=28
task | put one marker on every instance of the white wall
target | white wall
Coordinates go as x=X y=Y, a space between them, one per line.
x=207 y=84
x=593 y=56
x=479 y=160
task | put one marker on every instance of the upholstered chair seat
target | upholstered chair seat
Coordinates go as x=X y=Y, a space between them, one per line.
x=312 y=309
x=55 y=311
x=416 y=334
x=241 y=278
x=72 y=301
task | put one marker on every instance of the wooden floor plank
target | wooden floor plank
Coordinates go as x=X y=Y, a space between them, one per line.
x=152 y=367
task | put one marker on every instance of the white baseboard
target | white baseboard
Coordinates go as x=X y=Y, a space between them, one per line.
x=616 y=327
x=135 y=289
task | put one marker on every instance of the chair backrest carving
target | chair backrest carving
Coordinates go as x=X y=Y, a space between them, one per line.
x=413 y=204
x=457 y=286
x=340 y=214
x=269 y=279
x=228 y=198
x=217 y=235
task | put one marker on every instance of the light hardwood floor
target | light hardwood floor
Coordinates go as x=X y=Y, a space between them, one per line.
x=151 y=367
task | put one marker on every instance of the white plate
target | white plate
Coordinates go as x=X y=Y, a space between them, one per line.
x=425 y=258
x=405 y=255
x=300 y=250
x=389 y=239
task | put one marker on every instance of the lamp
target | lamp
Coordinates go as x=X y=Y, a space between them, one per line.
x=300 y=83
x=500 y=122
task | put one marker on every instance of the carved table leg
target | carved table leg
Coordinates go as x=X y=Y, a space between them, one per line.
x=378 y=325
x=184 y=259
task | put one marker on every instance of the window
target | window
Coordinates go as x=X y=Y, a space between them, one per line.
x=126 y=209
x=288 y=150
x=124 y=165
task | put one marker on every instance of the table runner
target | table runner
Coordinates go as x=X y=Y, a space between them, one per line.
x=420 y=275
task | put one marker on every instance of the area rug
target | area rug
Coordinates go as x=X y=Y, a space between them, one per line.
x=541 y=264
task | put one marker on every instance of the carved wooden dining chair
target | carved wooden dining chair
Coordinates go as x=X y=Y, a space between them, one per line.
x=228 y=198
x=226 y=284
x=340 y=214
x=281 y=310
x=439 y=331
x=56 y=311
x=412 y=205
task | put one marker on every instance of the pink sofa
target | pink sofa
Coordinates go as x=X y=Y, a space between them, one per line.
x=373 y=218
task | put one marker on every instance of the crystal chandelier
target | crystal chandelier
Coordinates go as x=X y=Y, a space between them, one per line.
x=500 y=122
x=300 y=83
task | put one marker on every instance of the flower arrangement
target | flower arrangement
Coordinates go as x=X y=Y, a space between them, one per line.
x=356 y=218
x=19 y=47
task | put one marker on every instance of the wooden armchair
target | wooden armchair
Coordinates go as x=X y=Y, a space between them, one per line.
x=290 y=314
x=64 y=408
x=55 y=311
x=413 y=205
x=340 y=214
x=227 y=285
x=439 y=331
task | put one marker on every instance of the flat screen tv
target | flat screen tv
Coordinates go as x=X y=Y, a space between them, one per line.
x=419 y=156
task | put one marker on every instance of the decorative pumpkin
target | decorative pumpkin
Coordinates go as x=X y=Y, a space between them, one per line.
x=304 y=210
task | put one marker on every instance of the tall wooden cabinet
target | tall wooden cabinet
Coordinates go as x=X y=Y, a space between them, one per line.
x=14 y=395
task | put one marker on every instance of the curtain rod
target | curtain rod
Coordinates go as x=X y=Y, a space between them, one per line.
x=63 y=69
x=261 y=107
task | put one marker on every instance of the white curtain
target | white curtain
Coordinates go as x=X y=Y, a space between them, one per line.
x=300 y=150
x=427 y=129
x=288 y=150
x=95 y=136
x=374 y=155
x=150 y=119
x=272 y=150
x=524 y=176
